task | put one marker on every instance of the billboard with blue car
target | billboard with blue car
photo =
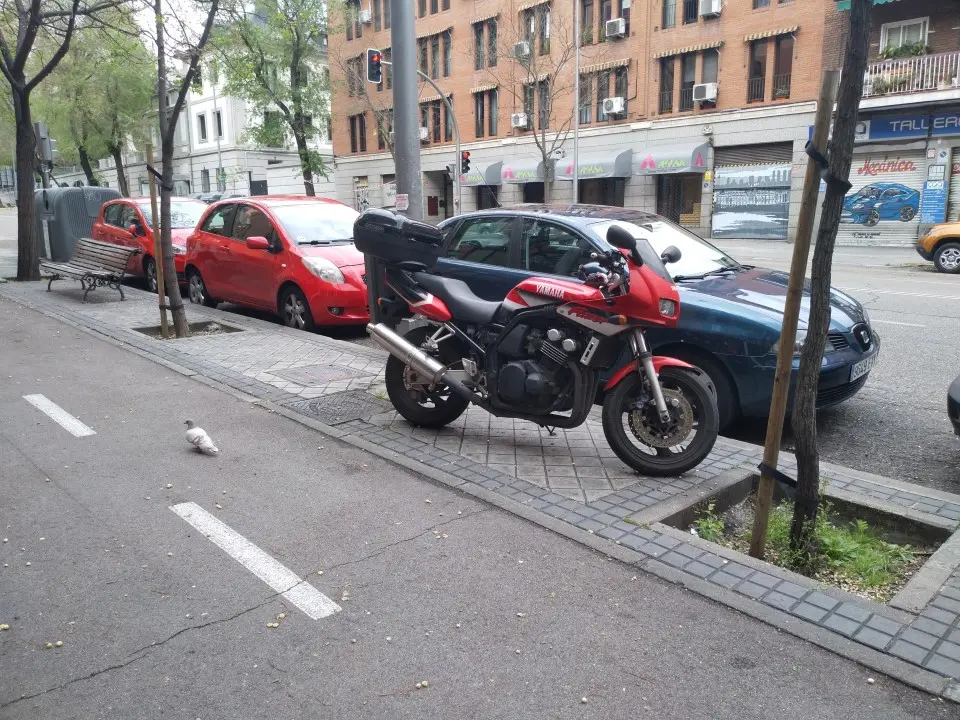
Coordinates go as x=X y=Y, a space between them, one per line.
x=881 y=201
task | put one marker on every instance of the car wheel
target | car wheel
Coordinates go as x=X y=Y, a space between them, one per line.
x=728 y=399
x=295 y=310
x=150 y=273
x=947 y=258
x=907 y=213
x=872 y=219
x=197 y=290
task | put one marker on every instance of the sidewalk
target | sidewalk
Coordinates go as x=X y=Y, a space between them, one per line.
x=8 y=243
x=570 y=482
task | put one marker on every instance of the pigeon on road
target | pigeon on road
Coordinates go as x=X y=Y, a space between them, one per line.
x=198 y=437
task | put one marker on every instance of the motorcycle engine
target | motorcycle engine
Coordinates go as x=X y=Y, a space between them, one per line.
x=533 y=370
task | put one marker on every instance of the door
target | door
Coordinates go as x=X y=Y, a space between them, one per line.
x=252 y=274
x=210 y=252
x=482 y=252
x=953 y=201
x=122 y=216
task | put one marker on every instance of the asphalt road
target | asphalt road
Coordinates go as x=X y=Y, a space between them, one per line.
x=503 y=619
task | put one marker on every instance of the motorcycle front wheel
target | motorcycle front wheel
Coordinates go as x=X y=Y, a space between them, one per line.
x=636 y=434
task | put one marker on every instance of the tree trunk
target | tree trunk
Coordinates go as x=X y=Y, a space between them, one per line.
x=121 y=174
x=28 y=264
x=85 y=164
x=306 y=164
x=804 y=409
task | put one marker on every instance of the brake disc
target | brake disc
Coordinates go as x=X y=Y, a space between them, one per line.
x=647 y=427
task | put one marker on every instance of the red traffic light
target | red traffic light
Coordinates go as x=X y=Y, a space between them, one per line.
x=376 y=57
x=465 y=154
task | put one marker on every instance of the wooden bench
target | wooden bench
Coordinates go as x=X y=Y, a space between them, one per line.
x=94 y=264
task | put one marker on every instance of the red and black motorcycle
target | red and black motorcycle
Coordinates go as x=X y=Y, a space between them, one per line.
x=539 y=355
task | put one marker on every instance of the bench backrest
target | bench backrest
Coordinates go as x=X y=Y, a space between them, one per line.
x=96 y=255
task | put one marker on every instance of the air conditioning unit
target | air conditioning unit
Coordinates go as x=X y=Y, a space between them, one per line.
x=366 y=16
x=424 y=134
x=614 y=106
x=519 y=120
x=707 y=92
x=615 y=28
x=710 y=8
x=521 y=49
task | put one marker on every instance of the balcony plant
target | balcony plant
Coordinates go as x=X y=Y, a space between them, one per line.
x=904 y=51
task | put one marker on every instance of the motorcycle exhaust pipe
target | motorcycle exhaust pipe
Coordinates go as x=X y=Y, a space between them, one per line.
x=416 y=358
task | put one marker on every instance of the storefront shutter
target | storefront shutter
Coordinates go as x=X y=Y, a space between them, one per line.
x=953 y=202
x=883 y=206
x=753 y=154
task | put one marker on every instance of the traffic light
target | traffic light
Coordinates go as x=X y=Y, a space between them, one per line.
x=465 y=162
x=374 y=66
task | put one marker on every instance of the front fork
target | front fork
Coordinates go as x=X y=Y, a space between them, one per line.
x=644 y=358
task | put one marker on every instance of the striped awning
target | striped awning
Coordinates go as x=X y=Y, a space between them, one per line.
x=484 y=18
x=689 y=49
x=770 y=33
x=599 y=67
x=527 y=6
x=539 y=78
x=431 y=33
x=433 y=98
x=483 y=88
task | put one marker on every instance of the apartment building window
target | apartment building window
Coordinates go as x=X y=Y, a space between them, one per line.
x=354 y=27
x=603 y=92
x=709 y=66
x=202 y=127
x=543 y=114
x=666 y=84
x=620 y=86
x=606 y=13
x=688 y=78
x=386 y=14
x=354 y=77
x=376 y=15
x=435 y=120
x=422 y=53
x=486 y=113
x=624 y=9
x=422 y=7
x=447 y=122
x=536 y=24
x=435 y=57
x=782 y=66
x=491 y=43
x=218 y=123
x=906 y=32
x=757 y=4
x=690 y=11
x=425 y=119
x=586 y=98
x=445 y=5
x=197 y=83
x=434 y=7
x=479 y=102
x=586 y=22
x=205 y=180
x=384 y=120
x=358 y=133
x=447 y=53
x=479 y=46
x=485 y=44
x=669 y=18
x=756 y=80
x=529 y=102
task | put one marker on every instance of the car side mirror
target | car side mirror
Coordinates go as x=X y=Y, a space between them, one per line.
x=134 y=229
x=258 y=242
x=621 y=238
x=671 y=255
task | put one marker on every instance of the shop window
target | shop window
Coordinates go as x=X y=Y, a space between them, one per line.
x=488 y=197
x=679 y=197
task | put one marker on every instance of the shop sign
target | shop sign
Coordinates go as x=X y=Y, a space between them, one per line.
x=882 y=167
x=933 y=205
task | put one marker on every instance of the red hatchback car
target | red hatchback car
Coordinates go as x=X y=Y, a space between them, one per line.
x=292 y=255
x=126 y=222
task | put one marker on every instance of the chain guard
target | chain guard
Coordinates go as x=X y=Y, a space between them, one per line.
x=647 y=428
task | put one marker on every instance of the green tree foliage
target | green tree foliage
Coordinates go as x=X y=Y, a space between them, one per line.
x=275 y=59
x=99 y=95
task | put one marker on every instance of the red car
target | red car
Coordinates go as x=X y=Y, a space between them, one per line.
x=126 y=222
x=292 y=255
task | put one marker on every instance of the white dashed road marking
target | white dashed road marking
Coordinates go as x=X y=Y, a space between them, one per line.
x=314 y=604
x=60 y=416
x=897 y=322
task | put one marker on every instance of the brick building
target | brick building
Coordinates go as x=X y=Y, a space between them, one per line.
x=696 y=109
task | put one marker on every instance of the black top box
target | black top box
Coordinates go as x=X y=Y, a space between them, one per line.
x=394 y=238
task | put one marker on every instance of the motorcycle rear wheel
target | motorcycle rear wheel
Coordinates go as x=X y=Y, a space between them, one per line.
x=628 y=427
x=424 y=406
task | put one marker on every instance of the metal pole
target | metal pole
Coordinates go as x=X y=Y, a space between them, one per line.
x=406 y=117
x=157 y=253
x=791 y=313
x=575 y=195
x=217 y=131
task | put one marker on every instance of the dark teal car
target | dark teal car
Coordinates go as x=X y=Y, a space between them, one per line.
x=730 y=314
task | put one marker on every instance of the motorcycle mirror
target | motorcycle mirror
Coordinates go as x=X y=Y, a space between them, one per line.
x=671 y=255
x=621 y=238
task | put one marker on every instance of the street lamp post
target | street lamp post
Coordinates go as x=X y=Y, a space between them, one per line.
x=575 y=196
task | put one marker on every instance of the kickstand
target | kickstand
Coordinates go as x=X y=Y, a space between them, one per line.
x=551 y=430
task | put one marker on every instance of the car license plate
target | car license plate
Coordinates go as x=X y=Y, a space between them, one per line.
x=863 y=367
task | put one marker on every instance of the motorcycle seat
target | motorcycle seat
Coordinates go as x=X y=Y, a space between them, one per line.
x=461 y=301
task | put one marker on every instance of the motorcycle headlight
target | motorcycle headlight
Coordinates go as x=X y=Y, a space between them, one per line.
x=668 y=308
x=323 y=269
x=797 y=345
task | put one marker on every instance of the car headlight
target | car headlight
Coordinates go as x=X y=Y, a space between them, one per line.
x=179 y=250
x=797 y=345
x=323 y=269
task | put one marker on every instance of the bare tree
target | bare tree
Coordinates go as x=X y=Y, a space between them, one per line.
x=190 y=47
x=23 y=28
x=802 y=538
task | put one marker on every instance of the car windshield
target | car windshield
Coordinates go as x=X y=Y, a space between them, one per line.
x=184 y=214
x=316 y=223
x=698 y=257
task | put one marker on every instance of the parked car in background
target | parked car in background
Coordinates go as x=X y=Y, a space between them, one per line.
x=292 y=255
x=953 y=404
x=941 y=244
x=730 y=314
x=881 y=201
x=127 y=221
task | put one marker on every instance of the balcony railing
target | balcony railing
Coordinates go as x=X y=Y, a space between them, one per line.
x=666 y=101
x=686 y=98
x=912 y=74
x=755 y=89
x=781 y=86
